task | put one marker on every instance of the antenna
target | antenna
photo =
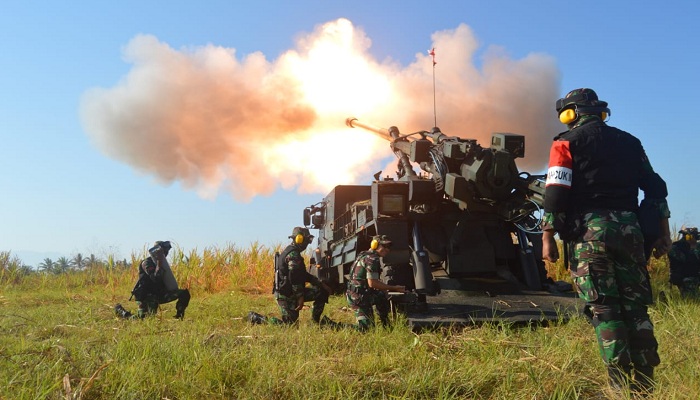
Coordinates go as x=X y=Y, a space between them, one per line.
x=432 y=53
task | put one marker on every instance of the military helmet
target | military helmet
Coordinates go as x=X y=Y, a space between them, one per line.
x=581 y=98
x=301 y=235
x=382 y=240
x=165 y=244
x=689 y=233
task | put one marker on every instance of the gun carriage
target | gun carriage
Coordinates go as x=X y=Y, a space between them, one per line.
x=465 y=230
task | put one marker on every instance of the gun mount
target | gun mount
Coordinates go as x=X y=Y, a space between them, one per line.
x=465 y=230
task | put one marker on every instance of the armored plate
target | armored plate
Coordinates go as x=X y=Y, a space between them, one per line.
x=464 y=302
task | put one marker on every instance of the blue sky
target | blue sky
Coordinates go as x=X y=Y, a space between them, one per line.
x=89 y=95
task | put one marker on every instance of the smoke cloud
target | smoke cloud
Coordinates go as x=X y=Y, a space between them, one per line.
x=210 y=120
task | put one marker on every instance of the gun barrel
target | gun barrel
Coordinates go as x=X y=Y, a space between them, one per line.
x=400 y=147
x=383 y=133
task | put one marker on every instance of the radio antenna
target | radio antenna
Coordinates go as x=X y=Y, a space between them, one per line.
x=432 y=54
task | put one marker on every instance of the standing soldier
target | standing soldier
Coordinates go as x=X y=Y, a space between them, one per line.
x=594 y=174
x=685 y=262
x=366 y=290
x=156 y=285
x=290 y=288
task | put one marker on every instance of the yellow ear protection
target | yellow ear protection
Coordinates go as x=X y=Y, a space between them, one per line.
x=568 y=116
x=299 y=238
x=374 y=244
x=689 y=234
x=571 y=114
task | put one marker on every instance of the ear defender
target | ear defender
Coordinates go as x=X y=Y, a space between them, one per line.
x=688 y=237
x=374 y=244
x=603 y=115
x=299 y=238
x=568 y=116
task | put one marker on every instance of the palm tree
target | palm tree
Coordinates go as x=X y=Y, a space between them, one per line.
x=92 y=262
x=78 y=261
x=46 y=266
x=62 y=265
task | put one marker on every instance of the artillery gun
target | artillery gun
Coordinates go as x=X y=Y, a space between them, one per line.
x=465 y=231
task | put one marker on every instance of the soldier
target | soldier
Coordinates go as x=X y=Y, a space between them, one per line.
x=156 y=285
x=290 y=288
x=594 y=174
x=685 y=262
x=366 y=290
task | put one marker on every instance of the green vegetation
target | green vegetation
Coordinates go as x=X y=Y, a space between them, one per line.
x=60 y=339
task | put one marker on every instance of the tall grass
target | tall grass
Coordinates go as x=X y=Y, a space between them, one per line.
x=59 y=339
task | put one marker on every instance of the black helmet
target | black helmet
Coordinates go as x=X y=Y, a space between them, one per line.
x=165 y=244
x=584 y=100
x=301 y=235
x=380 y=240
x=689 y=233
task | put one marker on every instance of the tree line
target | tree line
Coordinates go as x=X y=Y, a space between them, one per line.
x=13 y=265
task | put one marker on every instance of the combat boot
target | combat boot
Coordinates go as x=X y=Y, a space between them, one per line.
x=643 y=382
x=121 y=312
x=327 y=322
x=255 y=318
x=619 y=377
x=182 y=302
x=179 y=313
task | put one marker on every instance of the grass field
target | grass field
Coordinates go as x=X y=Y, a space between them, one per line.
x=60 y=339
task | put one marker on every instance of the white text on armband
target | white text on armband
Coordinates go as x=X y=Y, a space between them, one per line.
x=560 y=176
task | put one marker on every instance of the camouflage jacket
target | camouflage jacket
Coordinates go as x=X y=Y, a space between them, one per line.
x=292 y=273
x=367 y=266
x=593 y=167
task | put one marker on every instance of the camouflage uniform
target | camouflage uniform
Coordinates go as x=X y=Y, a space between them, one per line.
x=157 y=294
x=595 y=172
x=151 y=290
x=288 y=300
x=685 y=267
x=361 y=297
x=608 y=268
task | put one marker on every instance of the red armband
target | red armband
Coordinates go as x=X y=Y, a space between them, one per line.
x=560 y=164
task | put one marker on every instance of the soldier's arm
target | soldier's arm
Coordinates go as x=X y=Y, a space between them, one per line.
x=655 y=193
x=558 y=185
x=317 y=282
x=373 y=280
x=149 y=268
x=379 y=285
x=550 y=251
x=297 y=273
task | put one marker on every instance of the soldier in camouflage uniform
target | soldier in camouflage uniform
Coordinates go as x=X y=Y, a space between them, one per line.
x=364 y=289
x=290 y=288
x=685 y=263
x=151 y=289
x=594 y=174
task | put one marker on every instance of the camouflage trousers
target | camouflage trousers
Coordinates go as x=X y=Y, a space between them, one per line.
x=608 y=268
x=361 y=302
x=288 y=306
x=149 y=305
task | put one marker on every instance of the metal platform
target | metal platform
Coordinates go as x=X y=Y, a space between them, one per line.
x=475 y=301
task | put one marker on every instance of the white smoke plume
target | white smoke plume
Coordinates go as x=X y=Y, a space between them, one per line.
x=210 y=120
